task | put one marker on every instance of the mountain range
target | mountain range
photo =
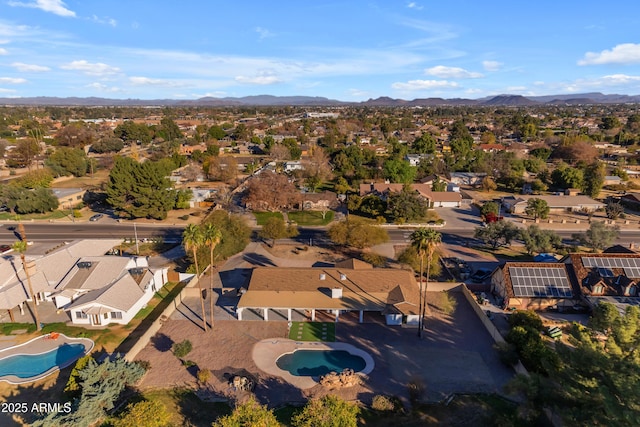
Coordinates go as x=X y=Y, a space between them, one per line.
x=309 y=101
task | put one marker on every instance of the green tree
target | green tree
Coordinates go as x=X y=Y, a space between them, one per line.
x=146 y=413
x=107 y=145
x=599 y=235
x=439 y=185
x=192 y=240
x=425 y=240
x=406 y=205
x=489 y=209
x=21 y=247
x=216 y=132
x=140 y=190
x=182 y=348
x=399 y=171
x=567 y=177
x=168 y=129
x=132 y=132
x=101 y=384
x=68 y=161
x=276 y=228
x=328 y=411
x=358 y=233
x=593 y=179
x=537 y=208
x=249 y=414
x=614 y=210
x=34 y=179
x=235 y=232
x=496 y=234
x=538 y=240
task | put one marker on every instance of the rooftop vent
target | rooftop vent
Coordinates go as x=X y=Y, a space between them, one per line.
x=84 y=264
x=343 y=276
x=323 y=276
x=336 y=293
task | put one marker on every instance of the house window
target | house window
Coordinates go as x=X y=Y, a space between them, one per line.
x=81 y=315
x=597 y=290
x=631 y=291
x=116 y=315
x=106 y=315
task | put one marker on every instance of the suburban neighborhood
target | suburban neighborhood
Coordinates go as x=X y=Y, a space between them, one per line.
x=391 y=262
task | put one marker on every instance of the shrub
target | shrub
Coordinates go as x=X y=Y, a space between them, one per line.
x=203 y=376
x=374 y=259
x=382 y=403
x=189 y=363
x=183 y=217
x=507 y=353
x=527 y=319
x=144 y=364
x=181 y=349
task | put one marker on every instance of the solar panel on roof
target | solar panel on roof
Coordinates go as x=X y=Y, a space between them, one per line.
x=610 y=262
x=540 y=282
x=633 y=272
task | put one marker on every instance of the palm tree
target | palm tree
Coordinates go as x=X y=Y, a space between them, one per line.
x=192 y=240
x=212 y=236
x=21 y=247
x=425 y=240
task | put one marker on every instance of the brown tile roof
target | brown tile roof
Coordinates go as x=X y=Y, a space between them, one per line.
x=587 y=277
x=310 y=288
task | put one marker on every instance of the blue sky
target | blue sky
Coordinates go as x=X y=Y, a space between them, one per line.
x=346 y=50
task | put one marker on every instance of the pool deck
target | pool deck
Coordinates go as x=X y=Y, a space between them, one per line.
x=266 y=352
x=41 y=345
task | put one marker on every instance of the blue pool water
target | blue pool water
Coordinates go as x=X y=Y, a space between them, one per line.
x=313 y=363
x=32 y=365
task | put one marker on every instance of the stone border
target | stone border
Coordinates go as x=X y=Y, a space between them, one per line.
x=42 y=346
x=266 y=352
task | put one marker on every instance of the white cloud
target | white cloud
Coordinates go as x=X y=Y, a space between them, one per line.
x=3 y=90
x=626 y=53
x=414 y=5
x=258 y=80
x=452 y=73
x=95 y=69
x=107 y=20
x=3 y=51
x=147 y=81
x=263 y=33
x=56 y=7
x=12 y=80
x=104 y=88
x=29 y=68
x=609 y=82
x=412 y=85
x=492 y=65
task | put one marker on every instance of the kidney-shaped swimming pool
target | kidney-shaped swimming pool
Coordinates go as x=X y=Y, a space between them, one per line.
x=314 y=363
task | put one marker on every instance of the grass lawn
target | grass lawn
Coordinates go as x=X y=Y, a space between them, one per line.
x=313 y=331
x=48 y=215
x=262 y=217
x=310 y=217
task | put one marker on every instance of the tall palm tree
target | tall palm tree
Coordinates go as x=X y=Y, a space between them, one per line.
x=212 y=236
x=425 y=240
x=21 y=247
x=192 y=240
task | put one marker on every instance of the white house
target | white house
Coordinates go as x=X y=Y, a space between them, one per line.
x=94 y=288
x=293 y=165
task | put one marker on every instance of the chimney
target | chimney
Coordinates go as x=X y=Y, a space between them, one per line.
x=336 y=293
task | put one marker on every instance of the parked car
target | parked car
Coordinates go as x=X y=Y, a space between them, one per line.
x=4 y=249
x=96 y=217
x=480 y=275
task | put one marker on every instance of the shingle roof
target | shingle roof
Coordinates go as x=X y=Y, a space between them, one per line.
x=362 y=289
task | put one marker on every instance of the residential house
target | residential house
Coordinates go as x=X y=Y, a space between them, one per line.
x=351 y=288
x=467 y=178
x=293 y=165
x=607 y=277
x=517 y=205
x=68 y=198
x=533 y=285
x=79 y=277
x=319 y=201
x=434 y=198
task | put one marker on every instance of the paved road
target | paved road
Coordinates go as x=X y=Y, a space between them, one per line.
x=91 y=230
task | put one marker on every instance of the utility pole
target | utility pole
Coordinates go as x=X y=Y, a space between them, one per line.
x=135 y=233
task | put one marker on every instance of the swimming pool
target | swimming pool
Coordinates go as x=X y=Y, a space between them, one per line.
x=314 y=363
x=34 y=365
